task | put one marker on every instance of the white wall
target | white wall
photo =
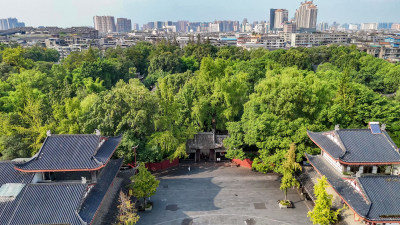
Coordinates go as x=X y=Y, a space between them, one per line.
x=333 y=163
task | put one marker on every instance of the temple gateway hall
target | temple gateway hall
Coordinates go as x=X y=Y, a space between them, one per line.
x=64 y=183
x=362 y=166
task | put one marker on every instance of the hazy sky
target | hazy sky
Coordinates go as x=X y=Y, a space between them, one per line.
x=66 y=13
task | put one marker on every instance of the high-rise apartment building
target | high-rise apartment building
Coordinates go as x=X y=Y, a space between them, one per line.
x=354 y=26
x=182 y=26
x=384 y=26
x=369 y=26
x=3 y=24
x=306 y=16
x=226 y=25
x=104 y=24
x=323 y=26
x=395 y=26
x=214 y=27
x=10 y=23
x=271 y=18
x=281 y=16
x=158 y=25
x=123 y=25
x=289 y=27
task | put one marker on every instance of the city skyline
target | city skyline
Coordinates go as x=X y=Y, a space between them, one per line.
x=65 y=14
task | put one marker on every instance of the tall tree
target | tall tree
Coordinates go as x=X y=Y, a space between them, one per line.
x=290 y=166
x=144 y=184
x=322 y=213
x=127 y=210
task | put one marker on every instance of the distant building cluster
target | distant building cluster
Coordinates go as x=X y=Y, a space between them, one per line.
x=10 y=23
x=323 y=26
x=280 y=32
x=106 y=24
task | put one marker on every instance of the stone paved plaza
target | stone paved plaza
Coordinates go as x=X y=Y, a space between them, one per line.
x=219 y=195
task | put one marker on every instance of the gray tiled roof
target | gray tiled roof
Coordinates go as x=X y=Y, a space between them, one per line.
x=364 y=146
x=383 y=191
x=324 y=142
x=55 y=203
x=98 y=192
x=382 y=195
x=48 y=204
x=359 y=145
x=344 y=189
x=8 y=174
x=107 y=149
x=72 y=152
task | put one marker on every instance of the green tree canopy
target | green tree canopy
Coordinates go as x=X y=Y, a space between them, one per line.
x=144 y=183
x=322 y=213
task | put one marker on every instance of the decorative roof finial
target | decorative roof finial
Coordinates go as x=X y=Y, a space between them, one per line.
x=48 y=133
x=337 y=126
x=98 y=133
x=383 y=127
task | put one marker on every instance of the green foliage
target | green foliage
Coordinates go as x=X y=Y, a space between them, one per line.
x=166 y=62
x=14 y=147
x=266 y=100
x=127 y=211
x=289 y=167
x=15 y=57
x=278 y=113
x=189 y=63
x=235 y=154
x=152 y=79
x=144 y=184
x=322 y=213
x=37 y=53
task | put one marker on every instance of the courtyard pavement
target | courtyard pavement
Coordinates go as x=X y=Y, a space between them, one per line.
x=218 y=195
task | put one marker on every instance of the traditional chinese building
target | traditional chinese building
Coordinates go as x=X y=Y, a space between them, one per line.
x=64 y=183
x=362 y=166
x=206 y=146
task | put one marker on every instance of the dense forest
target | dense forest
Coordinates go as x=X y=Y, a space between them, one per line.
x=266 y=100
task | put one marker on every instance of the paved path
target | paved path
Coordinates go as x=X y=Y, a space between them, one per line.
x=221 y=195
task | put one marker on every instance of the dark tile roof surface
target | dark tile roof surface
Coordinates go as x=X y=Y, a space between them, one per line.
x=360 y=146
x=8 y=174
x=364 y=146
x=71 y=152
x=344 y=189
x=383 y=191
x=7 y=208
x=96 y=195
x=327 y=144
x=48 y=204
x=107 y=149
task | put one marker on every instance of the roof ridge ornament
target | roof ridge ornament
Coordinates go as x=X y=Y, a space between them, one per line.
x=337 y=126
x=383 y=126
x=98 y=133
x=48 y=133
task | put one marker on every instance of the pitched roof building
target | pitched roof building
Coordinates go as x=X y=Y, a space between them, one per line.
x=64 y=183
x=362 y=166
